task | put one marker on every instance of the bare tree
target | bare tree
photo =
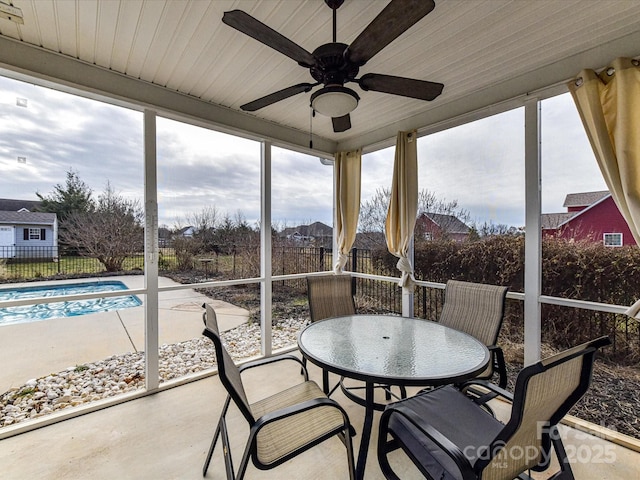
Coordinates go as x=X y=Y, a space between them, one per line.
x=205 y=220
x=491 y=229
x=373 y=212
x=111 y=233
x=205 y=223
x=428 y=202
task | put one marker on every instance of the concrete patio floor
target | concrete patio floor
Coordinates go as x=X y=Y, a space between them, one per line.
x=166 y=436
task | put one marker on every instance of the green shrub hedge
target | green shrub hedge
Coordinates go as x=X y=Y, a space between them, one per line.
x=575 y=270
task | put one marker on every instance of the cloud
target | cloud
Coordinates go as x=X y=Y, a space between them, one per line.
x=197 y=168
x=479 y=165
x=302 y=189
x=57 y=132
x=568 y=162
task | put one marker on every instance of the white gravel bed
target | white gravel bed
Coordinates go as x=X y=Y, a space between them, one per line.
x=124 y=373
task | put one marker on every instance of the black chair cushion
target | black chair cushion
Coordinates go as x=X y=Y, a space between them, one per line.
x=454 y=415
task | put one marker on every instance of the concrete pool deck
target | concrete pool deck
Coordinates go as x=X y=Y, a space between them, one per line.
x=35 y=349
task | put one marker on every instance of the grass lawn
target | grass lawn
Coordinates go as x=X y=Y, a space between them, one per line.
x=64 y=266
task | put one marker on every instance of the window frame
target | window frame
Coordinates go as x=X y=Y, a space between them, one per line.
x=612 y=235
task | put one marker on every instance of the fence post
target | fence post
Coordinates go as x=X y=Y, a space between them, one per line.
x=321 y=260
x=233 y=250
x=354 y=267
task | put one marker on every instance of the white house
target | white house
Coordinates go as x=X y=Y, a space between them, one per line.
x=25 y=234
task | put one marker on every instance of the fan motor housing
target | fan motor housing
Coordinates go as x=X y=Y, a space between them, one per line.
x=331 y=65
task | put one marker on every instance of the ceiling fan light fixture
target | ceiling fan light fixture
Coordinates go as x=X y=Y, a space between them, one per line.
x=334 y=101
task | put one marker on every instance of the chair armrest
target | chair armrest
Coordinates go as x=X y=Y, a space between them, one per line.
x=296 y=409
x=278 y=358
x=483 y=397
x=448 y=447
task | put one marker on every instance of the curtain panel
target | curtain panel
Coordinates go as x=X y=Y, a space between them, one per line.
x=347 y=201
x=403 y=204
x=609 y=107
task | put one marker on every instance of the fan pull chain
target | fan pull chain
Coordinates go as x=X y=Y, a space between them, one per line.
x=312 y=114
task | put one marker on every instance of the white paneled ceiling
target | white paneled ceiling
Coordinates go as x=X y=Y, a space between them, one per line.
x=483 y=51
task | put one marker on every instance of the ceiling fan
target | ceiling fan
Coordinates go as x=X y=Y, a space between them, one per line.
x=334 y=64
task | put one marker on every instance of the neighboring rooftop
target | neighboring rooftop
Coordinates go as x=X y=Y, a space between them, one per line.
x=12 y=205
x=31 y=218
x=584 y=199
x=448 y=223
x=554 y=220
x=575 y=203
x=316 y=229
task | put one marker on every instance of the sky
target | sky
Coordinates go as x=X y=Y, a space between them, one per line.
x=45 y=133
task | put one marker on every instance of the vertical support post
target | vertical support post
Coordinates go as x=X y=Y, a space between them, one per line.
x=533 y=234
x=266 y=285
x=334 y=240
x=152 y=372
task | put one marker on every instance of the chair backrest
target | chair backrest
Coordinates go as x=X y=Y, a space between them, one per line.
x=544 y=393
x=330 y=296
x=227 y=370
x=474 y=308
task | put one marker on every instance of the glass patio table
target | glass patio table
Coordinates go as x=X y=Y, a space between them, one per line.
x=391 y=350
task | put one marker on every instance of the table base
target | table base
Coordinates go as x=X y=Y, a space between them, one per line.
x=348 y=392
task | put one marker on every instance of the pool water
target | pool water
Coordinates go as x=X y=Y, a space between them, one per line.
x=44 y=311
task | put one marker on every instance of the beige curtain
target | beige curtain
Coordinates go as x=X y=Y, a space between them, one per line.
x=403 y=204
x=609 y=106
x=347 y=202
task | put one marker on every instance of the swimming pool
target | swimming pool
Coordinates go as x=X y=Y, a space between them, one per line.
x=44 y=311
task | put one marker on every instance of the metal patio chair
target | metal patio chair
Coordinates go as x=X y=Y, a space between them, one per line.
x=329 y=296
x=478 y=309
x=449 y=435
x=282 y=425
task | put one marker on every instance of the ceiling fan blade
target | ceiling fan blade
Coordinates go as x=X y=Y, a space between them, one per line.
x=248 y=25
x=341 y=124
x=393 y=21
x=277 y=96
x=405 y=87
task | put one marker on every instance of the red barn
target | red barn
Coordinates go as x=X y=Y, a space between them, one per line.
x=591 y=216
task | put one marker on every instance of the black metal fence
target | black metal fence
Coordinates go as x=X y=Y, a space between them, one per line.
x=240 y=261
x=28 y=253
x=559 y=323
x=22 y=263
